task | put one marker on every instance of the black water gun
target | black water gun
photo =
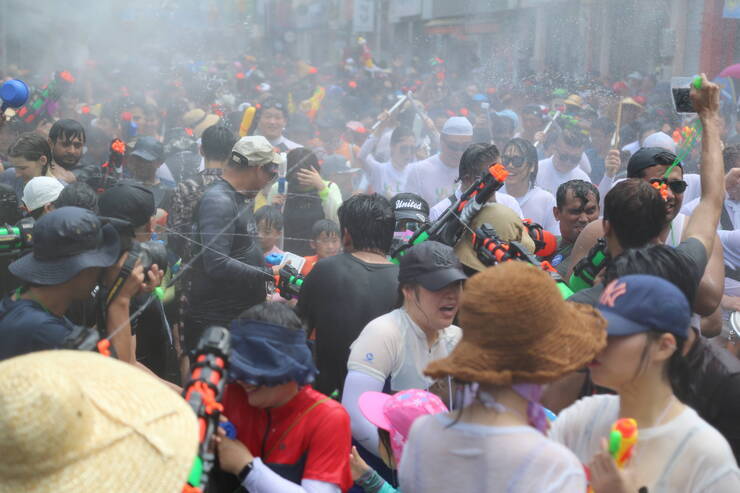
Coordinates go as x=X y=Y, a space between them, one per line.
x=449 y=227
x=14 y=239
x=492 y=250
x=586 y=270
x=289 y=282
x=204 y=392
x=112 y=169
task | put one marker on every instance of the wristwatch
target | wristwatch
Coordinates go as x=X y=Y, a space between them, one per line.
x=245 y=471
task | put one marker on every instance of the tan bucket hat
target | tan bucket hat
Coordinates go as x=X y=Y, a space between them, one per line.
x=73 y=421
x=199 y=121
x=518 y=329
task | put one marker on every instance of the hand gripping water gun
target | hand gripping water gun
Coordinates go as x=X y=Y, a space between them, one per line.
x=491 y=250
x=111 y=170
x=43 y=100
x=586 y=270
x=289 y=282
x=204 y=392
x=393 y=109
x=450 y=225
x=622 y=440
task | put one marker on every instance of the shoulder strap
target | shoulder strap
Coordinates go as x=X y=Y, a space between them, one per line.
x=724 y=219
x=293 y=425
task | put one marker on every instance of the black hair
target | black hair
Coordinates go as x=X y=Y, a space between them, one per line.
x=677 y=371
x=580 y=190
x=274 y=313
x=273 y=103
x=664 y=158
x=384 y=440
x=529 y=153
x=369 y=220
x=301 y=158
x=399 y=133
x=217 y=142
x=574 y=138
x=67 y=130
x=731 y=155
x=78 y=194
x=31 y=146
x=324 y=226
x=504 y=123
x=636 y=212
x=605 y=125
x=96 y=137
x=271 y=215
x=475 y=158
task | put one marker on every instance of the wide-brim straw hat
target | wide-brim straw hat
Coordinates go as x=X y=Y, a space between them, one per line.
x=73 y=421
x=518 y=329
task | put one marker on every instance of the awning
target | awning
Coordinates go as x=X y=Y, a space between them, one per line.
x=461 y=26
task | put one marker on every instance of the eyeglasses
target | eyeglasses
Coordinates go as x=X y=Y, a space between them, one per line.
x=571 y=158
x=513 y=161
x=676 y=186
x=456 y=146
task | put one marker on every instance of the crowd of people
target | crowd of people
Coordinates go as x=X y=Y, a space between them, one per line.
x=293 y=205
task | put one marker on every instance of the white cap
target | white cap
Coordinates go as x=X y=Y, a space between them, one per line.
x=458 y=125
x=40 y=191
x=660 y=139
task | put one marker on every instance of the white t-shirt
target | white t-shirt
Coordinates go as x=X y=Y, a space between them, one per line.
x=685 y=454
x=550 y=179
x=537 y=205
x=500 y=197
x=383 y=177
x=693 y=190
x=432 y=179
x=468 y=457
x=394 y=346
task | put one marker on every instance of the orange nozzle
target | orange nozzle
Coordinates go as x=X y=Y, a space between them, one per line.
x=499 y=172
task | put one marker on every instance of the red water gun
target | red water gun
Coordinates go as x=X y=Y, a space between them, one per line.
x=204 y=392
x=110 y=169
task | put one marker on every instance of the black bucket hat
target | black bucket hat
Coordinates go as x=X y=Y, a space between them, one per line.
x=65 y=242
x=268 y=354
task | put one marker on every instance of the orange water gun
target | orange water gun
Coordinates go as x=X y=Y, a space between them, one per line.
x=622 y=440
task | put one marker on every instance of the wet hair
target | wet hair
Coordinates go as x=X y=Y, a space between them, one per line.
x=96 y=138
x=274 y=313
x=369 y=220
x=731 y=156
x=31 y=146
x=301 y=158
x=217 y=142
x=605 y=125
x=66 y=130
x=475 y=158
x=399 y=133
x=324 y=226
x=271 y=216
x=529 y=152
x=636 y=212
x=579 y=188
x=78 y=194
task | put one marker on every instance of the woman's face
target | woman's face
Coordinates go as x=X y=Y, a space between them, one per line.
x=434 y=310
x=620 y=362
x=25 y=169
x=518 y=169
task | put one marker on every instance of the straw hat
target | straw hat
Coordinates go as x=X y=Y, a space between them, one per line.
x=508 y=226
x=518 y=329
x=73 y=421
x=199 y=121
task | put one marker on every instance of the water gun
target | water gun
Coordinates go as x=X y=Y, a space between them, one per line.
x=273 y=259
x=289 y=282
x=13 y=94
x=18 y=237
x=203 y=392
x=545 y=242
x=112 y=168
x=622 y=440
x=43 y=101
x=491 y=250
x=450 y=225
x=247 y=120
x=586 y=270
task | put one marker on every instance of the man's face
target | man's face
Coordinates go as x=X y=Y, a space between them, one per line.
x=599 y=139
x=675 y=200
x=138 y=116
x=575 y=215
x=141 y=168
x=566 y=156
x=25 y=169
x=404 y=152
x=453 y=146
x=531 y=123
x=67 y=152
x=272 y=122
x=732 y=184
x=326 y=245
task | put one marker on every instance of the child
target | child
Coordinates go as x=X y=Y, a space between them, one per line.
x=269 y=228
x=325 y=243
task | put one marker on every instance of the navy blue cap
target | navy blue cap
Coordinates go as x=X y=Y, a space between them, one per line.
x=65 y=242
x=149 y=149
x=639 y=303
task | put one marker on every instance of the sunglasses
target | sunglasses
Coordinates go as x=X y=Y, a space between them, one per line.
x=456 y=146
x=676 y=186
x=272 y=104
x=571 y=158
x=513 y=161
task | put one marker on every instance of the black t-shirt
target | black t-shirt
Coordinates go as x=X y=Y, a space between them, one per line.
x=338 y=298
x=26 y=327
x=691 y=249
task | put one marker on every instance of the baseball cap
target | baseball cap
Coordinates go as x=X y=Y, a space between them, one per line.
x=457 y=125
x=647 y=157
x=336 y=164
x=254 y=150
x=128 y=202
x=40 y=191
x=431 y=264
x=148 y=148
x=639 y=303
x=410 y=206
x=66 y=241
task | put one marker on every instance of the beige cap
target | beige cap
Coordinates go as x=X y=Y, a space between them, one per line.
x=508 y=226
x=254 y=150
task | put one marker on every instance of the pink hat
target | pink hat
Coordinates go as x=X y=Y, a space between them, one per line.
x=396 y=413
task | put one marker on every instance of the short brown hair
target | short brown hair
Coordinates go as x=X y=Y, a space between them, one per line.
x=636 y=211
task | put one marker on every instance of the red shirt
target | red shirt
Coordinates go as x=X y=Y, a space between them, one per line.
x=324 y=433
x=310 y=261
